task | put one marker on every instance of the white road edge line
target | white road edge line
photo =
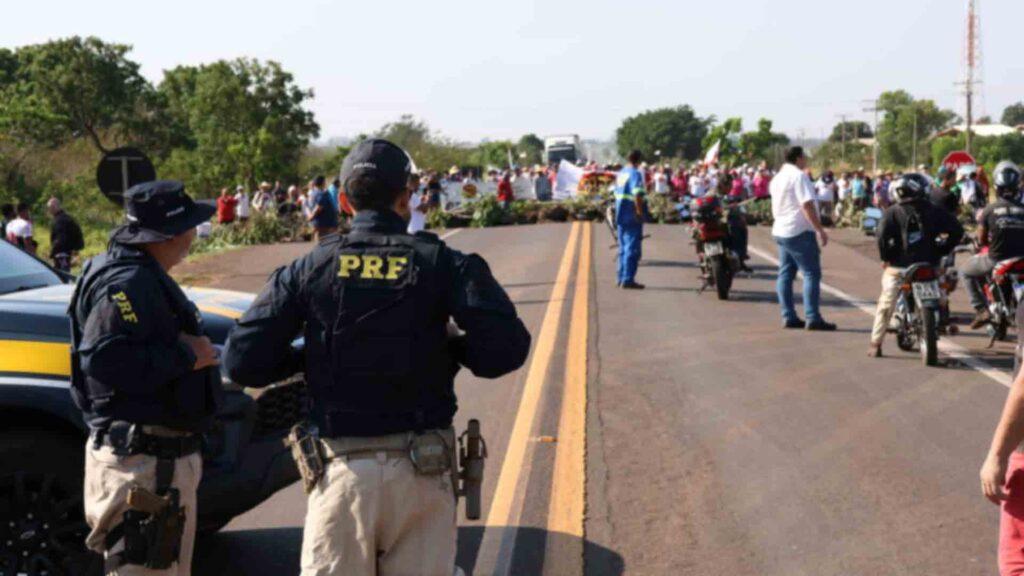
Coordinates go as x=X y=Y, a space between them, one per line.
x=950 y=349
x=450 y=233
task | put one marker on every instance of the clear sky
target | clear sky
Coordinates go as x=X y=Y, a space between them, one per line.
x=478 y=69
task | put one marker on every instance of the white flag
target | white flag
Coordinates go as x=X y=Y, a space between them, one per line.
x=712 y=155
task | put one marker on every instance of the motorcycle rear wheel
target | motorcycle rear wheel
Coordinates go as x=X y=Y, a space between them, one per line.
x=929 y=341
x=723 y=277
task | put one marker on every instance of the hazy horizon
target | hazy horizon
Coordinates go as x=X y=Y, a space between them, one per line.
x=473 y=71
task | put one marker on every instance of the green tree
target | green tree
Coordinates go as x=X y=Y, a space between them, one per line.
x=64 y=89
x=533 y=147
x=428 y=151
x=677 y=132
x=830 y=156
x=763 y=143
x=854 y=129
x=494 y=154
x=901 y=116
x=237 y=121
x=988 y=151
x=1013 y=115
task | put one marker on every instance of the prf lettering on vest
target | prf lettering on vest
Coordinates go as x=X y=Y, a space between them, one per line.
x=371 y=266
x=127 y=314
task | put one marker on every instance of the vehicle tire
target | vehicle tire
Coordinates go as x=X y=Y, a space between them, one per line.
x=929 y=338
x=44 y=529
x=723 y=277
x=1000 y=328
x=905 y=338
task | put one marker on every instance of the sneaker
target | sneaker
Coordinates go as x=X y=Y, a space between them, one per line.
x=981 y=317
x=875 y=351
x=821 y=326
x=795 y=323
x=632 y=285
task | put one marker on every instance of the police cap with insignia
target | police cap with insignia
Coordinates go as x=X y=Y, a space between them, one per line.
x=160 y=210
x=379 y=159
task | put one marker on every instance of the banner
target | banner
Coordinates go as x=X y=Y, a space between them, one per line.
x=567 y=181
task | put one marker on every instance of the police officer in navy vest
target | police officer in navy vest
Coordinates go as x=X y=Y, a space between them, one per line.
x=380 y=360
x=147 y=382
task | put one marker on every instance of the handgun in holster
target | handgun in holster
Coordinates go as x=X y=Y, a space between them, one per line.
x=153 y=528
x=308 y=455
x=472 y=452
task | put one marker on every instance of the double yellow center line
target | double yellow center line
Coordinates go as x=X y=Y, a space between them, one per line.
x=567 y=498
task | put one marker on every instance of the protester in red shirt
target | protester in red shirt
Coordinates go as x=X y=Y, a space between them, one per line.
x=680 y=183
x=226 y=207
x=505 y=195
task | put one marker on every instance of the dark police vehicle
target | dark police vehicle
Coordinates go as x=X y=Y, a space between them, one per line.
x=42 y=436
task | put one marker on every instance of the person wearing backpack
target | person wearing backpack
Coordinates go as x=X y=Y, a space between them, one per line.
x=912 y=230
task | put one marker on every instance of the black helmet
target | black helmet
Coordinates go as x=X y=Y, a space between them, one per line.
x=910 y=187
x=1006 y=178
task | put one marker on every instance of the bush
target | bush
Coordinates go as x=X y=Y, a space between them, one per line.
x=488 y=212
x=262 y=228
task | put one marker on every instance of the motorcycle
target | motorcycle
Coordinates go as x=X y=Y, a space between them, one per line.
x=718 y=263
x=1004 y=288
x=918 y=309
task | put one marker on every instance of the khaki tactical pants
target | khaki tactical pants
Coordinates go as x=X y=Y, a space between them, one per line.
x=371 y=514
x=107 y=480
x=886 y=304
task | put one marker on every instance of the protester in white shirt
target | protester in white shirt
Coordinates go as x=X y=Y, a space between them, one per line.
x=419 y=204
x=19 y=231
x=522 y=186
x=242 y=208
x=795 y=213
x=660 y=181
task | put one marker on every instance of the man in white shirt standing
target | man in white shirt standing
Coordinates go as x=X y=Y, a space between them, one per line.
x=795 y=210
x=419 y=204
x=242 y=209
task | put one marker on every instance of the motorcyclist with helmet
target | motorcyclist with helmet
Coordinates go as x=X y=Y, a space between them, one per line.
x=912 y=230
x=1001 y=228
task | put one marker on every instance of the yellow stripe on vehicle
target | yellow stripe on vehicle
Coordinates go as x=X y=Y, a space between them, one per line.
x=220 y=311
x=50 y=358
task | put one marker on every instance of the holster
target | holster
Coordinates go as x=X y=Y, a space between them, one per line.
x=153 y=525
x=308 y=455
x=153 y=528
x=472 y=453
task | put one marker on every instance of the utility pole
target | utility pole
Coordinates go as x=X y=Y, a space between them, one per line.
x=874 y=109
x=972 y=66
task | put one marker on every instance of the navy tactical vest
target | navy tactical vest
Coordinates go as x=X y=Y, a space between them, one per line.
x=377 y=341
x=189 y=403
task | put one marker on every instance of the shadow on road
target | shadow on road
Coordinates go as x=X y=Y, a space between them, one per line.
x=666 y=264
x=277 y=551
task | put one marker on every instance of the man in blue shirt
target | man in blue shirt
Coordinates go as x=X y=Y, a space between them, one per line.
x=629 y=221
x=324 y=217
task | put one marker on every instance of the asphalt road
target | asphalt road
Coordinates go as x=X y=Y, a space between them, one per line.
x=698 y=437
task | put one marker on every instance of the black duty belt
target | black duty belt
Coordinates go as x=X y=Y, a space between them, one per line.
x=129 y=439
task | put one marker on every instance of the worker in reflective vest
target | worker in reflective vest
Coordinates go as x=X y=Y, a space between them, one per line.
x=629 y=220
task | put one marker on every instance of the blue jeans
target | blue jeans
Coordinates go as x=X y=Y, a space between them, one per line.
x=630 y=238
x=799 y=252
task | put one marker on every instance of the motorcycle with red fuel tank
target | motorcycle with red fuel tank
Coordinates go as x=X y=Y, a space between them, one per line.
x=718 y=263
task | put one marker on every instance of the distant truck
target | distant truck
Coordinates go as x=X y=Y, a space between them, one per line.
x=558 y=148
